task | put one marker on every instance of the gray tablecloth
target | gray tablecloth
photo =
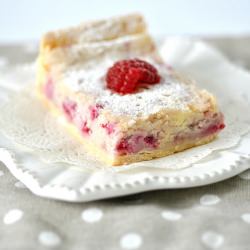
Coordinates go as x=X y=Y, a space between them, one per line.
x=212 y=217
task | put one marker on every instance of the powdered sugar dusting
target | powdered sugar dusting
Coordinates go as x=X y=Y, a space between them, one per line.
x=109 y=28
x=170 y=93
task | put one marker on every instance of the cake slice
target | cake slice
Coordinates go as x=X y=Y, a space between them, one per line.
x=120 y=99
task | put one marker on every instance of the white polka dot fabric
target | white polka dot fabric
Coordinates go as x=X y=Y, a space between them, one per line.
x=209 y=200
x=171 y=215
x=49 y=239
x=212 y=217
x=12 y=216
x=92 y=215
x=212 y=240
x=131 y=241
x=246 y=217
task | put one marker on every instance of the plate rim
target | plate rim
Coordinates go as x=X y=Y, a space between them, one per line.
x=155 y=182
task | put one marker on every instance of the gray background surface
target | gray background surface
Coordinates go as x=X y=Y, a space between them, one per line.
x=192 y=223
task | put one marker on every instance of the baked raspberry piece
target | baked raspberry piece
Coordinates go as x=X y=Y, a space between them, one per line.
x=94 y=111
x=110 y=128
x=119 y=97
x=49 y=89
x=69 y=108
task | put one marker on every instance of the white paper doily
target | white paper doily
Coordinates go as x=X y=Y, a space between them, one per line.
x=46 y=159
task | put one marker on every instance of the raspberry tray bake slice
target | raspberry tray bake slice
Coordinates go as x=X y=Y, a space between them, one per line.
x=120 y=99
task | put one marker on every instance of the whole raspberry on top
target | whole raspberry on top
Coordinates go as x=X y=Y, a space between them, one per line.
x=126 y=76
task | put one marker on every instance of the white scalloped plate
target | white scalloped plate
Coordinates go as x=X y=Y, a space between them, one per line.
x=63 y=182
x=75 y=185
